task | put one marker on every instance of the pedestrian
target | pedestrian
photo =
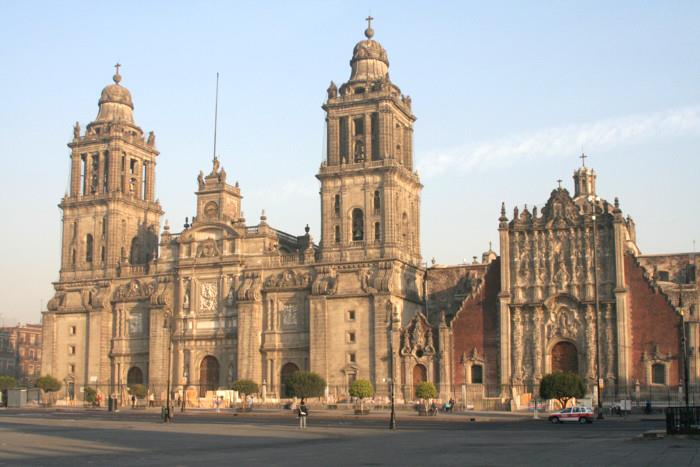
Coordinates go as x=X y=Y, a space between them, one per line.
x=133 y=401
x=152 y=400
x=452 y=405
x=303 y=412
x=250 y=403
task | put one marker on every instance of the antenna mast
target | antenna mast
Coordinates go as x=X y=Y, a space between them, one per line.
x=216 y=111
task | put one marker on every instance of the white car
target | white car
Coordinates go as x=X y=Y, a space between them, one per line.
x=572 y=414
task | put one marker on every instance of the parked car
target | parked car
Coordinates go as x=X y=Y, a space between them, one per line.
x=572 y=414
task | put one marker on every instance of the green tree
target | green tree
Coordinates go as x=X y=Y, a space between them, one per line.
x=138 y=390
x=305 y=384
x=426 y=390
x=7 y=382
x=562 y=387
x=49 y=385
x=246 y=387
x=362 y=389
x=90 y=395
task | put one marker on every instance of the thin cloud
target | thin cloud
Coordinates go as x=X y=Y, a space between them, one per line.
x=560 y=141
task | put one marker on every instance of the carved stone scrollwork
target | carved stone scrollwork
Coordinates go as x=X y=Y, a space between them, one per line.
x=250 y=287
x=326 y=281
x=517 y=346
x=133 y=291
x=208 y=249
x=289 y=279
x=590 y=343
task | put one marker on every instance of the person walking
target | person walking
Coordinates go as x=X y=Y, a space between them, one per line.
x=133 y=401
x=303 y=412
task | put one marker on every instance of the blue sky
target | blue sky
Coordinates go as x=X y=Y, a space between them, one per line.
x=507 y=94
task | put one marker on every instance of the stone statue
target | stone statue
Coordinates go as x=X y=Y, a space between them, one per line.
x=359 y=150
x=76 y=131
x=151 y=138
x=200 y=180
x=332 y=91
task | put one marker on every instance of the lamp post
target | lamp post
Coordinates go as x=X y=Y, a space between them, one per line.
x=596 y=299
x=168 y=325
x=684 y=349
x=392 y=417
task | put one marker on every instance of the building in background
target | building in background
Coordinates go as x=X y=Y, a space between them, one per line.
x=20 y=352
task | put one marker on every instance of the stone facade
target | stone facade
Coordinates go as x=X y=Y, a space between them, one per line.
x=224 y=299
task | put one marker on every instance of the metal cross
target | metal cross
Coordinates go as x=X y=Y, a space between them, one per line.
x=369 y=21
x=583 y=159
x=117 y=67
x=559 y=182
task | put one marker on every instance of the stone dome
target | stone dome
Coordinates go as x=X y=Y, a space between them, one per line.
x=115 y=103
x=369 y=59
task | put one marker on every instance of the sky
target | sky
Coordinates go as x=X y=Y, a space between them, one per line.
x=507 y=96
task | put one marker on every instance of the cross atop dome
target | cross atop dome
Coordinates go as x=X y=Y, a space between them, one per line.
x=583 y=158
x=117 y=77
x=369 y=32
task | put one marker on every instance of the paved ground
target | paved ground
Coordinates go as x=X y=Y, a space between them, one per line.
x=334 y=438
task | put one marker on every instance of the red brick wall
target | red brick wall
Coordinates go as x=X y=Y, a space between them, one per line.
x=652 y=321
x=476 y=325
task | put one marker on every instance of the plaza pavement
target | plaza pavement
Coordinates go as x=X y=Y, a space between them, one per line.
x=67 y=437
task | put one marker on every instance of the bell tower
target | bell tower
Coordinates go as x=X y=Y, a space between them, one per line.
x=110 y=216
x=370 y=195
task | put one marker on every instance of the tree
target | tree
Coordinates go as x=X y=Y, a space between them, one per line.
x=562 y=387
x=426 y=390
x=90 y=395
x=305 y=384
x=7 y=382
x=48 y=384
x=138 y=390
x=361 y=389
x=246 y=387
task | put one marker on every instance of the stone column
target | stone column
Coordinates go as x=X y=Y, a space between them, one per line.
x=100 y=172
x=623 y=335
x=75 y=174
x=368 y=137
x=517 y=334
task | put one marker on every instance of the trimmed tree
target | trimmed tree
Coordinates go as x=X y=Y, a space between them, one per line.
x=90 y=395
x=362 y=389
x=305 y=384
x=246 y=387
x=7 y=382
x=562 y=387
x=138 y=390
x=426 y=390
x=49 y=385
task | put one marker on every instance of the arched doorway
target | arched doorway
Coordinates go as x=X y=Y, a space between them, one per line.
x=564 y=357
x=134 y=376
x=288 y=369
x=208 y=375
x=420 y=374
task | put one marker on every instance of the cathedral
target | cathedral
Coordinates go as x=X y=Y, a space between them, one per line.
x=227 y=299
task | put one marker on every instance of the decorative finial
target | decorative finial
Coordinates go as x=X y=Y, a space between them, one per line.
x=503 y=208
x=263 y=216
x=583 y=159
x=166 y=227
x=117 y=77
x=559 y=182
x=369 y=32
x=617 y=203
x=307 y=229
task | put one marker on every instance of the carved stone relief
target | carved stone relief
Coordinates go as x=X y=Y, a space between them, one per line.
x=208 y=296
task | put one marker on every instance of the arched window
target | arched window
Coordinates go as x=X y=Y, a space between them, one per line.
x=337 y=234
x=358 y=225
x=377 y=231
x=404 y=227
x=477 y=374
x=658 y=373
x=102 y=253
x=72 y=259
x=336 y=205
x=377 y=202
x=88 y=248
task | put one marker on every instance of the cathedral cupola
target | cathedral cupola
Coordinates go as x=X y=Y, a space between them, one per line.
x=584 y=180
x=369 y=59
x=115 y=102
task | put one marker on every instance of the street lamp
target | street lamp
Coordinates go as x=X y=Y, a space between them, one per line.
x=686 y=372
x=593 y=200
x=392 y=417
x=168 y=325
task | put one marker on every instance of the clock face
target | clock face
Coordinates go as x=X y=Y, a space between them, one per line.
x=211 y=210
